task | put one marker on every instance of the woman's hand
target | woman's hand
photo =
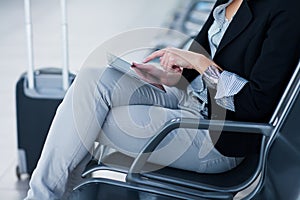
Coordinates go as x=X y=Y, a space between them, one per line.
x=154 y=75
x=174 y=60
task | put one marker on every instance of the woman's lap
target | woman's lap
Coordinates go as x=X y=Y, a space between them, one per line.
x=136 y=112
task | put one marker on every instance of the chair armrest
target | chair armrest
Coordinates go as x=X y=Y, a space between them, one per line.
x=191 y=123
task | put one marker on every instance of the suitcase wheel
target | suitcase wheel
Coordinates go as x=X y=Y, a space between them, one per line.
x=18 y=173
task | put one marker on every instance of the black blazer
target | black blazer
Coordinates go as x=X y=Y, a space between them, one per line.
x=262 y=45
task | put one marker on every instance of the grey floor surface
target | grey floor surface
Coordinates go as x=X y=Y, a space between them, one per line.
x=91 y=22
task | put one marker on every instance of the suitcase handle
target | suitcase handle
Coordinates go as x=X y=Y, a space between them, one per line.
x=65 y=45
x=47 y=84
x=65 y=50
x=29 y=44
x=48 y=70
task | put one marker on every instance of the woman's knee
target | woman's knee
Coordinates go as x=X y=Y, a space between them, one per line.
x=89 y=75
x=87 y=80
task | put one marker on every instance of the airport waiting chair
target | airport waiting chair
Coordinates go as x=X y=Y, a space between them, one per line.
x=188 y=20
x=274 y=175
x=192 y=18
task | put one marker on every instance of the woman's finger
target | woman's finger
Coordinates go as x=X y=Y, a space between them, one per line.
x=164 y=60
x=134 y=64
x=154 y=55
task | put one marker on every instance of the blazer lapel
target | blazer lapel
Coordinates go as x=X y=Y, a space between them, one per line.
x=238 y=24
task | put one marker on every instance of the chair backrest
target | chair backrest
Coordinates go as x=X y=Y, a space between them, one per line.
x=285 y=105
x=283 y=150
x=287 y=97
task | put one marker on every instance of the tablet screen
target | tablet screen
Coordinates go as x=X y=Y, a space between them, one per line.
x=125 y=67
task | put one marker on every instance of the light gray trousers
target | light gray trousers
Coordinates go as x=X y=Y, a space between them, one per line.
x=119 y=111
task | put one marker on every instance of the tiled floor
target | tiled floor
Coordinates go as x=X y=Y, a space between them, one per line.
x=90 y=23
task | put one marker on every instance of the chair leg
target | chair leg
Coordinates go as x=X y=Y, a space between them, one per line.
x=101 y=151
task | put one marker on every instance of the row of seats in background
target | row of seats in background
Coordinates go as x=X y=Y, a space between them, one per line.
x=185 y=23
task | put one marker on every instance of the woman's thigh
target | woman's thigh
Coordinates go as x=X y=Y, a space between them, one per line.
x=129 y=128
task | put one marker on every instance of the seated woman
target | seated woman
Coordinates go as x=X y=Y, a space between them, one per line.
x=255 y=46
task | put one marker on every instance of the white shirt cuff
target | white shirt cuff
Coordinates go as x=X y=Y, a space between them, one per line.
x=229 y=84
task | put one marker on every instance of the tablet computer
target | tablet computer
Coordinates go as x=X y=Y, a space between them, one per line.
x=125 y=67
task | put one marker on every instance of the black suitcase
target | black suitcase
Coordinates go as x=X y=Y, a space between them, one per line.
x=38 y=94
